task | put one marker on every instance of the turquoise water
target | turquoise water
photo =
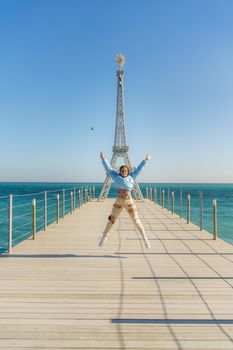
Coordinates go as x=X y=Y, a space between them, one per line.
x=23 y=193
x=222 y=192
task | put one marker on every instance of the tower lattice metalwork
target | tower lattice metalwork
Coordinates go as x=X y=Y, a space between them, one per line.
x=120 y=148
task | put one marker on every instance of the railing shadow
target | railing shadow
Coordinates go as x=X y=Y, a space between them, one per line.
x=59 y=256
x=170 y=321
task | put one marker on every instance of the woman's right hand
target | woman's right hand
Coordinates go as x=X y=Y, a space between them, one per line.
x=148 y=156
x=101 y=155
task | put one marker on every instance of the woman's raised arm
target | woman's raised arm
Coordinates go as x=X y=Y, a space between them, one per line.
x=137 y=171
x=109 y=170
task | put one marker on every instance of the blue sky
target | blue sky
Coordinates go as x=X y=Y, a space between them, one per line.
x=58 y=79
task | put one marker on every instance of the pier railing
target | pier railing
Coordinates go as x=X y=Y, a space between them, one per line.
x=166 y=199
x=24 y=215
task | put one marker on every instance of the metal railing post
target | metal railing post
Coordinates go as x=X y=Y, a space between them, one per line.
x=58 y=208
x=168 y=200
x=10 y=211
x=201 y=211
x=79 y=199
x=163 y=199
x=45 y=210
x=63 y=202
x=34 y=218
x=155 y=196
x=146 y=192
x=93 y=192
x=71 y=202
x=215 y=219
x=188 y=209
x=74 y=198
x=90 y=193
x=81 y=195
x=173 y=202
x=181 y=203
x=151 y=194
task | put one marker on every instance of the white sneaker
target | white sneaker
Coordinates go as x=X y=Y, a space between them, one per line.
x=146 y=242
x=103 y=239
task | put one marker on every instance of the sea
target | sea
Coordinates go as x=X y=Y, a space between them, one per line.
x=24 y=193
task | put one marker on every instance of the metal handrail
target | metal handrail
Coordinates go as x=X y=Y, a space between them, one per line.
x=52 y=212
x=40 y=217
x=52 y=205
x=39 y=201
x=38 y=226
x=64 y=205
x=21 y=205
x=25 y=234
x=21 y=216
x=50 y=221
x=42 y=208
x=18 y=227
x=27 y=194
x=50 y=191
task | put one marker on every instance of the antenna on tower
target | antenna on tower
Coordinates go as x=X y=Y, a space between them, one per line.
x=120 y=58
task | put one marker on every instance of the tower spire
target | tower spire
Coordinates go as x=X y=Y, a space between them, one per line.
x=120 y=148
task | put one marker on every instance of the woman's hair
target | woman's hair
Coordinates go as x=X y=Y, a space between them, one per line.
x=124 y=166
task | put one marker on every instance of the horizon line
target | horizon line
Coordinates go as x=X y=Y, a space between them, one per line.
x=99 y=182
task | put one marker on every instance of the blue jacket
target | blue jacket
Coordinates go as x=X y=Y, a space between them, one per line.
x=126 y=183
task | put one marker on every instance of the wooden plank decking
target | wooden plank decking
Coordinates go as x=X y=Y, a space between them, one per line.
x=64 y=292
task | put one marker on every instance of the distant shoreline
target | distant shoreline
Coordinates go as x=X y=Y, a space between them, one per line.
x=99 y=182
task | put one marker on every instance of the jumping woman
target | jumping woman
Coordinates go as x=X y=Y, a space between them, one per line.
x=124 y=183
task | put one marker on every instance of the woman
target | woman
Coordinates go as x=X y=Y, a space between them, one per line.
x=124 y=183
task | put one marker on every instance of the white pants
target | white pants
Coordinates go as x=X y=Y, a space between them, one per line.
x=129 y=205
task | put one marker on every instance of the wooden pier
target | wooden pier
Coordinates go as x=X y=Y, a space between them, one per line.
x=61 y=291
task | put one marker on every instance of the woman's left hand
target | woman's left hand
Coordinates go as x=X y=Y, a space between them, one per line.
x=148 y=156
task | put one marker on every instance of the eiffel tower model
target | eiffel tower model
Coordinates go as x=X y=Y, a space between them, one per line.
x=120 y=148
